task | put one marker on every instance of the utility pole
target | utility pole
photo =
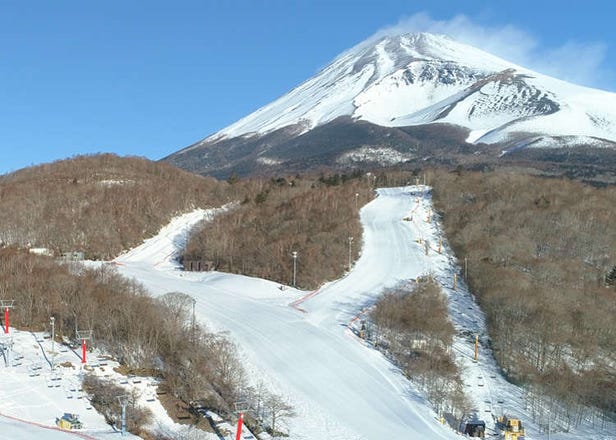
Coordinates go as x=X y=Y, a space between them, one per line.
x=350 y=252
x=52 y=321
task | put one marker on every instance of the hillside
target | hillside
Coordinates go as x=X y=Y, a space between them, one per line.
x=99 y=205
x=539 y=254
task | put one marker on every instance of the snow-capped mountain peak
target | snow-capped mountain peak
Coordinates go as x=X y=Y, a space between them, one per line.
x=420 y=78
x=340 y=88
x=417 y=79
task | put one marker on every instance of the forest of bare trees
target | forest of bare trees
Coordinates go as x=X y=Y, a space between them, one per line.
x=314 y=217
x=99 y=204
x=103 y=395
x=541 y=259
x=540 y=252
x=145 y=334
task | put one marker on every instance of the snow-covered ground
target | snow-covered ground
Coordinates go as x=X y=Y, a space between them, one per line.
x=32 y=395
x=341 y=389
x=300 y=344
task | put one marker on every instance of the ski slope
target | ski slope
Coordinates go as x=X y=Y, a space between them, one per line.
x=340 y=388
x=300 y=345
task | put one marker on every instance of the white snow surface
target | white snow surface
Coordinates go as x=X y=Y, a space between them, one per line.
x=341 y=388
x=300 y=344
x=19 y=430
x=423 y=78
x=32 y=396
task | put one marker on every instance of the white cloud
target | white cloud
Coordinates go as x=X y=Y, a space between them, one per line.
x=575 y=61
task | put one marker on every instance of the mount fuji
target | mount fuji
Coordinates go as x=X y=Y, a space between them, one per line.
x=409 y=98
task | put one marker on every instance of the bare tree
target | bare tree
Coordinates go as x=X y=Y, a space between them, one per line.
x=278 y=410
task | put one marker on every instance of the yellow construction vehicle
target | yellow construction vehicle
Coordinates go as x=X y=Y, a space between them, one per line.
x=69 y=421
x=511 y=428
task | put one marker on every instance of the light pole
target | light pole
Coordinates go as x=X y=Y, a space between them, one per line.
x=466 y=269
x=350 y=252
x=194 y=301
x=356 y=201
x=294 y=254
x=52 y=321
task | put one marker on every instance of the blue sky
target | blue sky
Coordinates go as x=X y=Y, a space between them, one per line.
x=147 y=77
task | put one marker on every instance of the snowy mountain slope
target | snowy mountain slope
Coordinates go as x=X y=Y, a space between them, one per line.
x=341 y=387
x=404 y=73
x=415 y=79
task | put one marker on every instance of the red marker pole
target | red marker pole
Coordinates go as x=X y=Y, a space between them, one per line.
x=240 y=422
x=83 y=351
x=6 y=319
